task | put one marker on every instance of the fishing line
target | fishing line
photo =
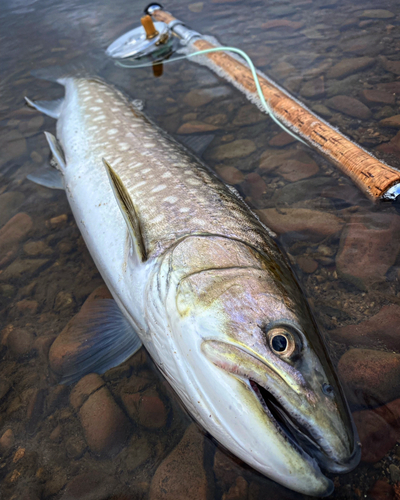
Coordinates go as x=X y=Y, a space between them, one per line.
x=250 y=64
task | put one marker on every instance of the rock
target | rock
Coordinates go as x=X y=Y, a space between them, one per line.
x=137 y=453
x=378 y=96
x=16 y=230
x=27 y=306
x=105 y=425
x=349 y=106
x=64 y=300
x=12 y=145
x=376 y=435
x=313 y=88
x=394 y=473
x=238 y=491
x=84 y=388
x=7 y=441
x=392 y=121
x=248 y=115
x=322 y=110
x=370 y=377
x=57 y=222
x=282 y=24
x=282 y=139
x=226 y=469
x=391 y=66
x=34 y=248
x=236 y=149
x=194 y=127
x=218 y=119
x=22 y=269
x=390 y=87
x=300 y=220
x=42 y=345
x=283 y=69
x=75 y=446
x=381 y=490
x=55 y=435
x=20 y=342
x=181 y=475
x=93 y=485
x=368 y=248
x=381 y=329
x=341 y=87
x=295 y=170
x=146 y=409
x=9 y=204
x=349 y=66
x=63 y=351
x=377 y=14
x=230 y=175
x=55 y=483
x=254 y=186
x=196 y=7
x=200 y=97
x=307 y=264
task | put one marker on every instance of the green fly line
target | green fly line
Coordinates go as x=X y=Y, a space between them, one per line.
x=266 y=106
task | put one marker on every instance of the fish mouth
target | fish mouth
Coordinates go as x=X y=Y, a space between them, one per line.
x=303 y=436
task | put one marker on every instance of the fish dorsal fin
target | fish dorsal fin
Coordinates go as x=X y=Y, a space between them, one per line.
x=49 y=108
x=56 y=149
x=128 y=211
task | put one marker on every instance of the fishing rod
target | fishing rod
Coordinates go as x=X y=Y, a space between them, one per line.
x=161 y=35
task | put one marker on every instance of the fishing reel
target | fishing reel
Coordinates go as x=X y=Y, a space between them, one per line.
x=152 y=42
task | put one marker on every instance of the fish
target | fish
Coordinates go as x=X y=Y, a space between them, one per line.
x=201 y=282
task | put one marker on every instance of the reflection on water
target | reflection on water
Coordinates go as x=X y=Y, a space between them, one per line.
x=124 y=435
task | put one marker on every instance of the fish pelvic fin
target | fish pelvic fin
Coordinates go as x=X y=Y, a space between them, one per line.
x=49 y=108
x=128 y=211
x=47 y=176
x=96 y=339
x=57 y=151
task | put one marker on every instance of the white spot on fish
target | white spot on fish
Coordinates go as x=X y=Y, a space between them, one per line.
x=123 y=146
x=99 y=118
x=171 y=199
x=158 y=188
x=193 y=182
x=167 y=175
x=149 y=145
x=112 y=131
x=99 y=100
x=158 y=218
x=184 y=209
x=146 y=170
x=142 y=183
x=94 y=108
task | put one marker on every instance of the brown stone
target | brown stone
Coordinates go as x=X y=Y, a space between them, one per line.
x=200 y=97
x=370 y=377
x=292 y=165
x=368 y=248
x=27 y=306
x=34 y=248
x=146 y=409
x=226 y=469
x=282 y=139
x=378 y=96
x=195 y=127
x=93 y=485
x=349 y=66
x=181 y=475
x=62 y=354
x=84 y=388
x=307 y=264
x=282 y=24
x=295 y=170
x=254 y=186
x=9 y=205
x=300 y=220
x=313 y=88
x=20 y=342
x=248 y=115
x=22 y=268
x=392 y=122
x=236 y=149
x=382 y=490
x=381 y=329
x=15 y=231
x=238 y=491
x=349 y=106
x=230 y=175
x=391 y=66
x=105 y=425
x=7 y=440
x=57 y=222
x=377 y=14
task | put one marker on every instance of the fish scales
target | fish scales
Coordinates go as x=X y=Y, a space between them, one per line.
x=174 y=194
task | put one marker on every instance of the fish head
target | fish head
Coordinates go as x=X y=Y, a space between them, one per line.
x=261 y=376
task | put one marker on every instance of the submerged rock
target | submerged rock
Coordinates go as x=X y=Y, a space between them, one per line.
x=349 y=66
x=236 y=149
x=349 y=106
x=381 y=329
x=368 y=248
x=230 y=175
x=300 y=220
x=181 y=475
x=16 y=230
x=254 y=186
x=370 y=377
x=9 y=204
x=146 y=409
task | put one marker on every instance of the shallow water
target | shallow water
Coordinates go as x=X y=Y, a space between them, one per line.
x=346 y=259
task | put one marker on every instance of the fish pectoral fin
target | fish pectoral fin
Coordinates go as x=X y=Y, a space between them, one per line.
x=198 y=143
x=128 y=211
x=57 y=151
x=97 y=339
x=49 y=108
x=47 y=176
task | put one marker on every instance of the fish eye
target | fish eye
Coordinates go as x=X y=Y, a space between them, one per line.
x=281 y=341
x=327 y=389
